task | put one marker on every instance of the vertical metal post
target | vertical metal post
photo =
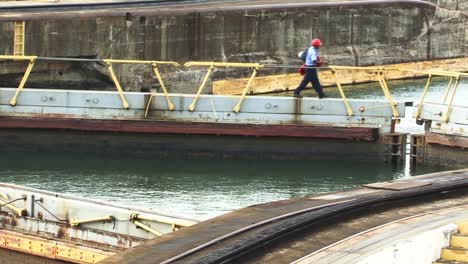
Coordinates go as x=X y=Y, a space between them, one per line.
x=33 y=200
x=249 y=83
x=192 y=106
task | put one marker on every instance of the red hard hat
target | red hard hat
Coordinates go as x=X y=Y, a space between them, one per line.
x=315 y=42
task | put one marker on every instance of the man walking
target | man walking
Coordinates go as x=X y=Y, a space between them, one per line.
x=311 y=60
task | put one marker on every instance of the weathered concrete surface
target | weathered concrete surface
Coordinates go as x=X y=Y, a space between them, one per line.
x=358 y=34
x=446 y=156
x=451 y=4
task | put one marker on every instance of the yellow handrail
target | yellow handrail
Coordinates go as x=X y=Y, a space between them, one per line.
x=211 y=66
x=154 y=64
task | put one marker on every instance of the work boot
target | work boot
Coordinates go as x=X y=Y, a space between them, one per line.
x=322 y=96
x=297 y=96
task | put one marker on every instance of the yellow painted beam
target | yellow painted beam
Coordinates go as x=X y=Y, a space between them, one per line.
x=463 y=228
x=454 y=254
x=459 y=241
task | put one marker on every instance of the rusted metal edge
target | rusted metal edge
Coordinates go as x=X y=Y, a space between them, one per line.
x=194 y=128
x=447 y=140
x=50 y=248
x=205 y=8
x=397 y=185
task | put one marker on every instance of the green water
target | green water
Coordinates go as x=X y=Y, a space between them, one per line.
x=200 y=189
x=203 y=189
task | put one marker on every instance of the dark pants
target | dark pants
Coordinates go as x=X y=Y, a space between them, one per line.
x=310 y=76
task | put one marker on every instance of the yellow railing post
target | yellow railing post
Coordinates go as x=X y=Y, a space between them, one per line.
x=387 y=94
x=345 y=101
x=153 y=94
x=166 y=95
x=211 y=65
x=447 y=90
x=117 y=84
x=247 y=87
x=207 y=75
x=23 y=81
x=419 y=110
x=445 y=117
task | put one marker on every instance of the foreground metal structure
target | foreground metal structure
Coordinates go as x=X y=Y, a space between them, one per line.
x=74 y=229
x=303 y=229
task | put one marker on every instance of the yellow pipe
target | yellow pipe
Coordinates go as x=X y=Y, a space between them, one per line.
x=12 y=57
x=223 y=64
x=76 y=222
x=147 y=228
x=135 y=216
x=117 y=85
x=447 y=90
x=16 y=210
x=192 y=106
x=419 y=110
x=23 y=82
x=445 y=118
x=447 y=73
x=345 y=101
x=237 y=107
x=388 y=95
x=166 y=95
x=140 y=62
x=4 y=196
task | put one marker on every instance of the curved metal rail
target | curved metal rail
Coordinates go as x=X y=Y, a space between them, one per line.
x=247 y=7
x=291 y=222
x=98 y=5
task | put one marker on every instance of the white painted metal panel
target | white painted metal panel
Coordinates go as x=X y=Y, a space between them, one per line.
x=209 y=108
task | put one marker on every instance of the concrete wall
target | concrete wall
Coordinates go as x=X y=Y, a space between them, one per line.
x=451 y=4
x=450 y=157
x=352 y=35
